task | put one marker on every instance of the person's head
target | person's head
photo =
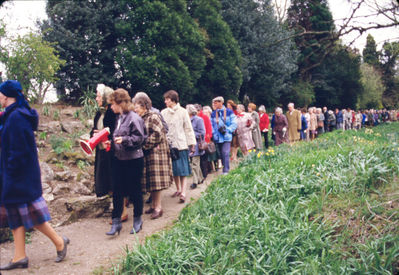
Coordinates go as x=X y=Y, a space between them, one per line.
x=103 y=92
x=278 y=111
x=231 y=105
x=240 y=108
x=217 y=102
x=290 y=107
x=198 y=107
x=207 y=110
x=10 y=91
x=120 y=101
x=191 y=110
x=324 y=109
x=251 y=107
x=310 y=110
x=303 y=111
x=141 y=103
x=171 y=98
x=262 y=109
x=318 y=110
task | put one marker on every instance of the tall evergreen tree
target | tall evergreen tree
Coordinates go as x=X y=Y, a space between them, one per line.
x=314 y=28
x=222 y=74
x=389 y=70
x=86 y=39
x=161 y=48
x=268 y=58
x=370 y=54
x=337 y=80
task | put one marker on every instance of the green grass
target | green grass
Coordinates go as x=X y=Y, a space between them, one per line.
x=323 y=207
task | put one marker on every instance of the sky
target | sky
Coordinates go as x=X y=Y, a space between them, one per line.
x=21 y=15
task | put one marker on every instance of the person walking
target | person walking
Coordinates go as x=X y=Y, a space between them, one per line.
x=264 y=124
x=157 y=173
x=181 y=137
x=21 y=203
x=294 y=123
x=128 y=139
x=244 y=130
x=256 y=136
x=195 y=157
x=280 y=125
x=224 y=123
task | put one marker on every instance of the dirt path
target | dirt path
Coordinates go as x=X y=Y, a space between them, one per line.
x=91 y=251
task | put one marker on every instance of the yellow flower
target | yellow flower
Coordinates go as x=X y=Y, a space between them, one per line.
x=259 y=154
x=250 y=151
x=313 y=165
x=267 y=154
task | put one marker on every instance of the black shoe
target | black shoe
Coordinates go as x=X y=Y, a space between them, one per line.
x=116 y=227
x=20 y=264
x=193 y=186
x=137 y=225
x=61 y=254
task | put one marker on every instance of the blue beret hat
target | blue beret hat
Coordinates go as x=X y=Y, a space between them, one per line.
x=11 y=88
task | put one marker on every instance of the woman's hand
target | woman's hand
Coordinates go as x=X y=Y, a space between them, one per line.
x=95 y=131
x=118 y=140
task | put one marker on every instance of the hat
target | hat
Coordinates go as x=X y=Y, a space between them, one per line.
x=11 y=88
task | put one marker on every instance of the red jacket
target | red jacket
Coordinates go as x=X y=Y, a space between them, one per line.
x=264 y=121
x=208 y=126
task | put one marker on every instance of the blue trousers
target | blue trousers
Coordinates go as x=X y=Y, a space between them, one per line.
x=224 y=149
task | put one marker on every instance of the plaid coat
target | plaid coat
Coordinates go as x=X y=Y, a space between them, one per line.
x=157 y=174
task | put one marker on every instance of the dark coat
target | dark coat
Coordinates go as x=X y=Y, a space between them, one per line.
x=20 y=170
x=103 y=180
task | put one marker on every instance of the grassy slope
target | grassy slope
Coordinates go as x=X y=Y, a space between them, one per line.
x=323 y=207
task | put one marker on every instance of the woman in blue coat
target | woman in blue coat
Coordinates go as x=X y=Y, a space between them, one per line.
x=21 y=203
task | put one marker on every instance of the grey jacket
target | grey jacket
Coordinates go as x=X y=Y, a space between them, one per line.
x=130 y=127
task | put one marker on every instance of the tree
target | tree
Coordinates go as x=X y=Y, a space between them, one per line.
x=370 y=54
x=268 y=56
x=161 y=48
x=337 y=80
x=314 y=29
x=222 y=75
x=372 y=86
x=86 y=38
x=34 y=63
x=389 y=70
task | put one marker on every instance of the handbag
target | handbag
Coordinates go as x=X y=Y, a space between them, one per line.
x=174 y=153
x=211 y=147
x=202 y=145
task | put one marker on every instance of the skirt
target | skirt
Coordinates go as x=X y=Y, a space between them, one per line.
x=24 y=214
x=181 y=167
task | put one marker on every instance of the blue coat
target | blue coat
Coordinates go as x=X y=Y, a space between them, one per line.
x=20 y=170
x=230 y=124
x=199 y=131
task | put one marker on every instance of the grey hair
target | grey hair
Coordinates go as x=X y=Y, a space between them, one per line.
x=241 y=107
x=291 y=104
x=191 y=109
x=207 y=109
x=278 y=110
x=262 y=108
x=105 y=92
x=218 y=98
x=143 y=100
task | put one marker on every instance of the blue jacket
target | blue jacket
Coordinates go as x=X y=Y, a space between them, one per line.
x=230 y=124
x=340 y=117
x=19 y=164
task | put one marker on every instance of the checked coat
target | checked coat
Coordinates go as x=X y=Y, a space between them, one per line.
x=157 y=174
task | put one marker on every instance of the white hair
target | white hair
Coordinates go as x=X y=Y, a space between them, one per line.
x=278 y=110
x=291 y=104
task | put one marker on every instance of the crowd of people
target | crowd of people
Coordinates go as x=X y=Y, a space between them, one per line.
x=148 y=150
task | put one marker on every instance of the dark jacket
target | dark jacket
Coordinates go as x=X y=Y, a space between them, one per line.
x=199 y=131
x=108 y=121
x=130 y=127
x=20 y=170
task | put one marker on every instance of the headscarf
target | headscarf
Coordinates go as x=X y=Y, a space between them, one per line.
x=12 y=88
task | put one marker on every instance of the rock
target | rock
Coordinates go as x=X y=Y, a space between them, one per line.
x=61 y=188
x=48 y=197
x=46 y=172
x=71 y=126
x=88 y=183
x=5 y=234
x=50 y=127
x=81 y=189
x=68 y=112
x=64 y=175
x=46 y=188
x=86 y=207
x=74 y=156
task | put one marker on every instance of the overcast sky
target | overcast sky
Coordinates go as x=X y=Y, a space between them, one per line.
x=21 y=15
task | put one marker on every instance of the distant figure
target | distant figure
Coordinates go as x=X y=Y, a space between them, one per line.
x=280 y=125
x=294 y=123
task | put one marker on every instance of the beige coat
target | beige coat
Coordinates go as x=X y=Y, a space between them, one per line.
x=181 y=133
x=294 y=125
